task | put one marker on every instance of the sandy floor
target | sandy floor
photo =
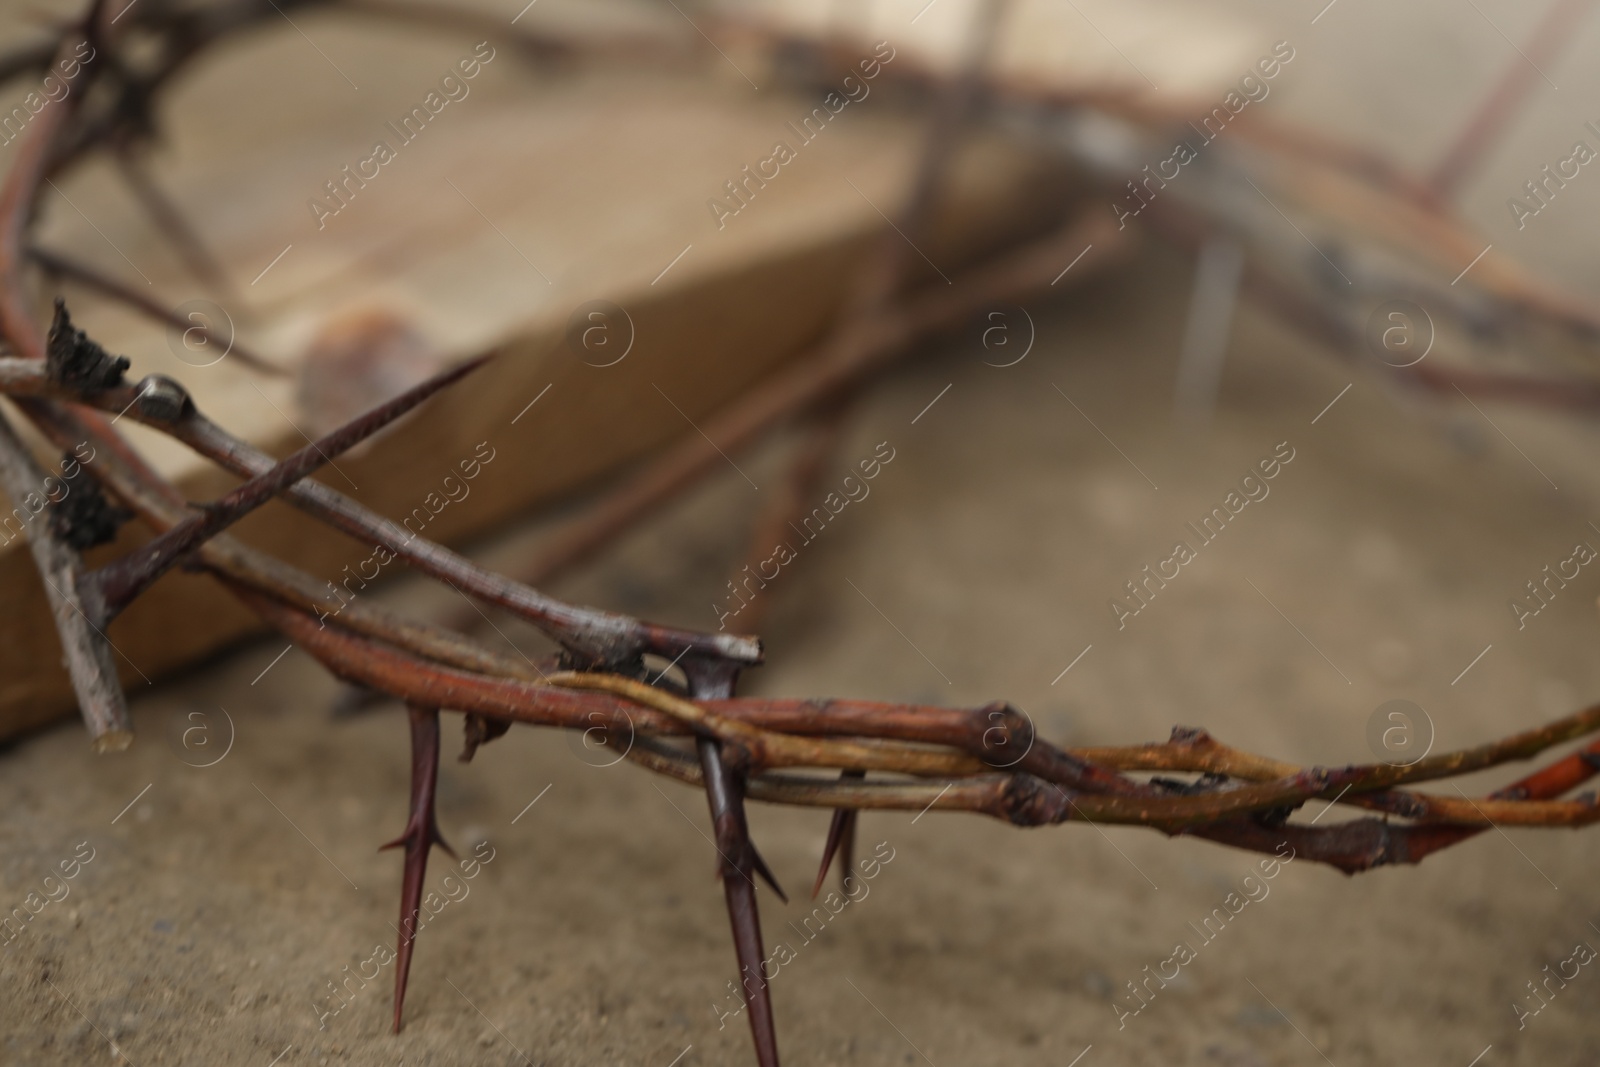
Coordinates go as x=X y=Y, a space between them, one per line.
x=221 y=901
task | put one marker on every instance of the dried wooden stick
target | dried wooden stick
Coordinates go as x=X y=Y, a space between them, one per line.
x=73 y=600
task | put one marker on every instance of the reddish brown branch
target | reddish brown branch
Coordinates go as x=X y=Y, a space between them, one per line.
x=17 y=197
x=1510 y=92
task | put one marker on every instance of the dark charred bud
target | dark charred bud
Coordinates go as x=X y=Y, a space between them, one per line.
x=76 y=362
x=83 y=517
x=1006 y=734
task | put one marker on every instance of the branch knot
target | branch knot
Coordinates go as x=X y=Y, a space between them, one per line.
x=76 y=362
x=84 y=517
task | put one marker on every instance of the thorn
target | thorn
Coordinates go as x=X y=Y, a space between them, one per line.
x=478 y=731
x=841 y=832
x=766 y=874
x=725 y=794
x=421 y=833
x=439 y=840
x=847 y=853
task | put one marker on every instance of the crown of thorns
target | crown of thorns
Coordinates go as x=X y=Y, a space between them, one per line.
x=687 y=724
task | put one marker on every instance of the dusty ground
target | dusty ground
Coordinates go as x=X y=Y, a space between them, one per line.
x=221 y=900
